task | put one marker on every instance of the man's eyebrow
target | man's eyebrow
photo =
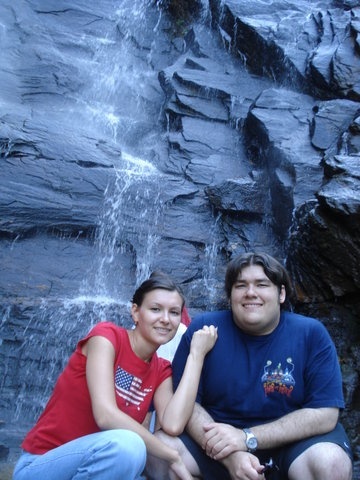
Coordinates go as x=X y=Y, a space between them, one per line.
x=259 y=279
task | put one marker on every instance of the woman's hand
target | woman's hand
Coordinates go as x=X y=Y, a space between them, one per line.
x=241 y=465
x=180 y=470
x=203 y=340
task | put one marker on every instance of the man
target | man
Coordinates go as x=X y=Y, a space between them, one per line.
x=270 y=390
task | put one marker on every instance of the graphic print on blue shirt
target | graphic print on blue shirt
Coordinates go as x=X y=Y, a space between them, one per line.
x=277 y=379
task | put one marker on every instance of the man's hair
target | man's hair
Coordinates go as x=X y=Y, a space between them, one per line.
x=156 y=280
x=272 y=268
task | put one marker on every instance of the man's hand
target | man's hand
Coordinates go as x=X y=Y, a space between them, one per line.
x=220 y=440
x=243 y=465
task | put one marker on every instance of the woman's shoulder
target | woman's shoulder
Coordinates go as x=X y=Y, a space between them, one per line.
x=161 y=368
x=106 y=329
x=161 y=362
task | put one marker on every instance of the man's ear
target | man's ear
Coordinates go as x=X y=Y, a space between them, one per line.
x=282 y=294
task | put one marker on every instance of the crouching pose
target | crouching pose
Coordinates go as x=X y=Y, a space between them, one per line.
x=92 y=424
x=270 y=390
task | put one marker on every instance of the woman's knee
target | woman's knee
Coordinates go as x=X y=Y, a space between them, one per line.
x=126 y=449
x=121 y=452
x=134 y=441
x=128 y=442
x=112 y=448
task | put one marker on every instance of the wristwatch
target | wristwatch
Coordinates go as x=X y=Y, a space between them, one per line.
x=250 y=440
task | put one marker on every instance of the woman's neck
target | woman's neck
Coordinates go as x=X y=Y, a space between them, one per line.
x=140 y=347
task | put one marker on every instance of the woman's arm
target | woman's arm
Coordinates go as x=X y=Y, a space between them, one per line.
x=175 y=409
x=100 y=379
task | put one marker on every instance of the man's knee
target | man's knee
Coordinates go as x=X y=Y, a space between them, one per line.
x=321 y=460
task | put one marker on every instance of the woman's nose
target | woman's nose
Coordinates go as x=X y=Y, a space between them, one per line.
x=165 y=317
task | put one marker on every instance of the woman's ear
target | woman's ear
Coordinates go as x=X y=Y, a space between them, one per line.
x=135 y=313
x=282 y=294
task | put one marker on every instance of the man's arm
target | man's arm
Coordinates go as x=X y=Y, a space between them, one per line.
x=221 y=440
x=196 y=425
x=296 y=425
x=239 y=464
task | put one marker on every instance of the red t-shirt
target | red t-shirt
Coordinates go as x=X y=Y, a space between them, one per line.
x=68 y=414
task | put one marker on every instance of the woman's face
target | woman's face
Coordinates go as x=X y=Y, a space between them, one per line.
x=158 y=317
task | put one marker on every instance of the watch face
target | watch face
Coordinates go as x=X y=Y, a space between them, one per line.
x=252 y=443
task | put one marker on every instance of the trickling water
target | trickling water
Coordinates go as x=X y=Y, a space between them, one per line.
x=210 y=266
x=118 y=100
x=119 y=83
x=344 y=149
x=115 y=103
x=127 y=227
x=120 y=93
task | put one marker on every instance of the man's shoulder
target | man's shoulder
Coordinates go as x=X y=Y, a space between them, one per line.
x=221 y=319
x=300 y=321
x=212 y=318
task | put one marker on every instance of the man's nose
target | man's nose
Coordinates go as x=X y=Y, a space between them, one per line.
x=250 y=289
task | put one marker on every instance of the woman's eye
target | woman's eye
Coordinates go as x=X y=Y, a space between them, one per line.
x=154 y=309
x=175 y=312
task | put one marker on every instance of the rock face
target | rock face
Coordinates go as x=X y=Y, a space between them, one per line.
x=125 y=149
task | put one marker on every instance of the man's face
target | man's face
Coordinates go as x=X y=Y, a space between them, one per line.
x=255 y=301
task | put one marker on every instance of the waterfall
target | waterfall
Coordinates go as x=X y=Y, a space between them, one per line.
x=96 y=193
x=117 y=96
x=136 y=190
x=117 y=101
x=117 y=89
x=104 y=107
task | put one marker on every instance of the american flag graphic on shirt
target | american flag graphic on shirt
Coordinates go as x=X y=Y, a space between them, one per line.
x=129 y=387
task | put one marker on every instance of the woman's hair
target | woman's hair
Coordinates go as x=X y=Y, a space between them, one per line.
x=272 y=268
x=156 y=280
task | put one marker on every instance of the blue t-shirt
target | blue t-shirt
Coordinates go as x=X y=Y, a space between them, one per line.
x=249 y=380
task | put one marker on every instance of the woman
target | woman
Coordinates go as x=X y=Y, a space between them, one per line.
x=92 y=424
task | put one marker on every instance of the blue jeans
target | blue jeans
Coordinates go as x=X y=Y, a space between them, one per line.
x=112 y=454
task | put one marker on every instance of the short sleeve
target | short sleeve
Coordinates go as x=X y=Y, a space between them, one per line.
x=102 y=329
x=164 y=370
